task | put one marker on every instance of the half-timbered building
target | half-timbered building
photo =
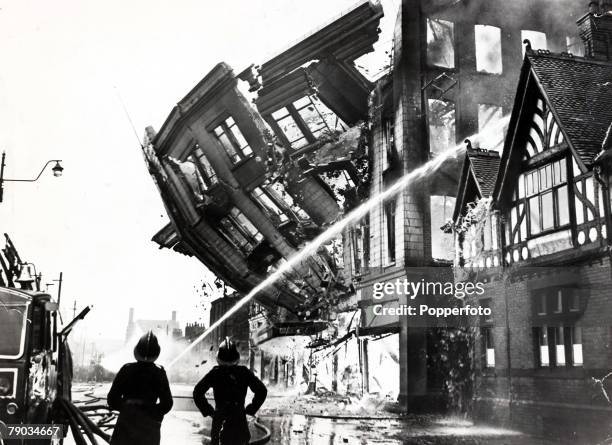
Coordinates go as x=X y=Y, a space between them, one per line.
x=543 y=352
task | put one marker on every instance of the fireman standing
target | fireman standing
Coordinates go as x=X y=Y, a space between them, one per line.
x=135 y=393
x=229 y=382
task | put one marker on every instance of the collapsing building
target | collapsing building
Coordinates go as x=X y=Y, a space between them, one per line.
x=247 y=185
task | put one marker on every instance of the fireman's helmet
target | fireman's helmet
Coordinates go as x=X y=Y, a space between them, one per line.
x=228 y=353
x=147 y=349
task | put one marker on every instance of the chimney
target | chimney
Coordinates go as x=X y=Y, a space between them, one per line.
x=595 y=29
x=131 y=316
x=173 y=315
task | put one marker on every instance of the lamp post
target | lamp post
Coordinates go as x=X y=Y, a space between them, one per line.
x=57 y=172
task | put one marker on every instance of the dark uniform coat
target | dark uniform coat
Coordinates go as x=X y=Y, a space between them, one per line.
x=141 y=394
x=229 y=384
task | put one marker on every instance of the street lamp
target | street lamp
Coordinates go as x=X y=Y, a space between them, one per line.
x=57 y=172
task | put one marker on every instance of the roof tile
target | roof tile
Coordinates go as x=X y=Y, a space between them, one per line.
x=485 y=166
x=580 y=91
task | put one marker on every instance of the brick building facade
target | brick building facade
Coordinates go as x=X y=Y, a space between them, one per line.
x=454 y=72
x=547 y=343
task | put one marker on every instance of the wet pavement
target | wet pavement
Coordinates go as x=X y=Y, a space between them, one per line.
x=302 y=430
x=320 y=423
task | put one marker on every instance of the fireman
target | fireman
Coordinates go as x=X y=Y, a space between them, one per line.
x=135 y=393
x=229 y=382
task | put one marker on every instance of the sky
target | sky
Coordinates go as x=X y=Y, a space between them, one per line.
x=65 y=68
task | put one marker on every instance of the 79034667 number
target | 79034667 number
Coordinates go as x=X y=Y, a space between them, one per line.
x=31 y=431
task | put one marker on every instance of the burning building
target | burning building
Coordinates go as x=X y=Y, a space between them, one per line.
x=542 y=355
x=248 y=185
x=454 y=72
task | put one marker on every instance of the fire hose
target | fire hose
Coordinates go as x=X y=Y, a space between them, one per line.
x=84 y=429
x=81 y=425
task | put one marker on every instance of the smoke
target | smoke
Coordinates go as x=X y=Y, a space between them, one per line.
x=492 y=135
x=188 y=371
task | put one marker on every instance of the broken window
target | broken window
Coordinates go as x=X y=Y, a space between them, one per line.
x=207 y=173
x=441 y=118
x=232 y=140
x=246 y=224
x=536 y=38
x=240 y=231
x=488 y=49
x=305 y=120
x=390 y=207
x=277 y=189
x=339 y=181
x=441 y=210
x=575 y=45
x=440 y=43
x=269 y=205
x=188 y=174
x=199 y=179
x=360 y=240
x=388 y=151
x=490 y=116
x=318 y=118
x=289 y=127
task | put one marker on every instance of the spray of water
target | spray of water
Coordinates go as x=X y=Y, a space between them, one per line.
x=492 y=135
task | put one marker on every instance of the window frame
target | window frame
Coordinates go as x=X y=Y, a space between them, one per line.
x=388 y=138
x=236 y=153
x=452 y=65
x=360 y=241
x=279 y=213
x=252 y=240
x=560 y=348
x=450 y=107
x=488 y=347
x=556 y=316
x=203 y=165
x=497 y=46
x=292 y=111
x=390 y=214
x=520 y=208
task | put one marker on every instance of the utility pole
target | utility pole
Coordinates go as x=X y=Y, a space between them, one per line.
x=59 y=287
x=2 y=176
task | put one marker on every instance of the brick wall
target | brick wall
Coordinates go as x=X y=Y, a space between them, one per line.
x=534 y=399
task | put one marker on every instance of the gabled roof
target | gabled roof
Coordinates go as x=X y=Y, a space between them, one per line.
x=480 y=167
x=484 y=165
x=578 y=92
